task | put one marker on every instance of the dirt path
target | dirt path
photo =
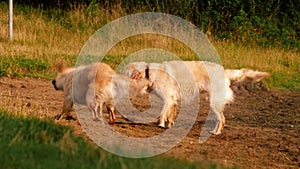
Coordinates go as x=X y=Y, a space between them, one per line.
x=262 y=128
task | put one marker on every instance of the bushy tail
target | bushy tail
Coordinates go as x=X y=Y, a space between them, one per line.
x=239 y=75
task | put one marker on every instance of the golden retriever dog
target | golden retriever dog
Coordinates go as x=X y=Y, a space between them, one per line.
x=94 y=85
x=203 y=72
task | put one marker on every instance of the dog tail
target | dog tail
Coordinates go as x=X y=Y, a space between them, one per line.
x=239 y=75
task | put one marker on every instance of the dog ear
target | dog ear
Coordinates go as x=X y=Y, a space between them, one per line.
x=147 y=72
x=135 y=74
x=60 y=67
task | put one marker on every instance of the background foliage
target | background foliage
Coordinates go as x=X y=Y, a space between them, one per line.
x=268 y=23
x=254 y=34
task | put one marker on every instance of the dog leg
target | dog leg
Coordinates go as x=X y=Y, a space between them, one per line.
x=112 y=116
x=165 y=113
x=217 y=129
x=217 y=106
x=217 y=96
x=171 y=116
x=222 y=120
x=93 y=105
x=161 y=121
x=220 y=123
x=67 y=107
x=98 y=113
x=94 y=108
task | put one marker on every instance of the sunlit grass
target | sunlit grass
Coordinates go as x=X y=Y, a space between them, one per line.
x=283 y=65
x=35 y=143
x=49 y=37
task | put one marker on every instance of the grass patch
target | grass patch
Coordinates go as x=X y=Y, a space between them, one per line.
x=284 y=65
x=41 y=38
x=35 y=143
x=23 y=66
x=3 y=69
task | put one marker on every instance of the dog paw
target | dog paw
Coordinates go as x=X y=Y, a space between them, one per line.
x=214 y=132
x=69 y=117
x=112 y=122
x=63 y=116
x=170 y=124
x=57 y=117
x=96 y=119
x=161 y=126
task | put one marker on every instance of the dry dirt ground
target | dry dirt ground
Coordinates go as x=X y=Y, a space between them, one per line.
x=262 y=126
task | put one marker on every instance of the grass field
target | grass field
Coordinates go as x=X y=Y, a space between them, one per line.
x=41 y=39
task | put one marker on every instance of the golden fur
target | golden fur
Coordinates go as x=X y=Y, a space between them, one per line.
x=94 y=85
x=203 y=73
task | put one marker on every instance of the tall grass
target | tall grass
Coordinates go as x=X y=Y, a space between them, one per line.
x=49 y=36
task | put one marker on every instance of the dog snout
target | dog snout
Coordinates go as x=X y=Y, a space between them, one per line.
x=54 y=84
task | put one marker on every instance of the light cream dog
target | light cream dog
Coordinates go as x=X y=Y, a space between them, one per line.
x=203 y=73
x=94 y=85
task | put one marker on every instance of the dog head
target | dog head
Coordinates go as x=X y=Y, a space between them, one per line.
x=140 y=87
x=61 y=78
x=136 y=70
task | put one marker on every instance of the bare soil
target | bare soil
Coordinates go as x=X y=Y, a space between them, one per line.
x=262 y=126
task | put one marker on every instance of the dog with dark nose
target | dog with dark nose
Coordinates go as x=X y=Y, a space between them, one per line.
x=95 y=86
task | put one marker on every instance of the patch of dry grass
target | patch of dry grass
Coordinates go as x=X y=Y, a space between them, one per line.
x=49 y=38
x=284 y=65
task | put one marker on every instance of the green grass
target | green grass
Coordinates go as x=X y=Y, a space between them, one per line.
x=22 y=66
x=42 y=38
x=35 y=143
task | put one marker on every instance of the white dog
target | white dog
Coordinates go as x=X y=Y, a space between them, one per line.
x=95 y=85
x=205 y=76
